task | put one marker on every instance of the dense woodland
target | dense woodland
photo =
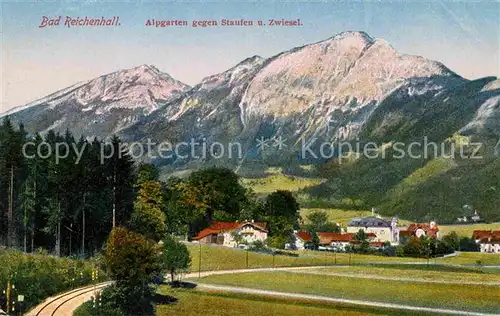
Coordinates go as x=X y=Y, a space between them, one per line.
x=61 y=206
x=69 y=205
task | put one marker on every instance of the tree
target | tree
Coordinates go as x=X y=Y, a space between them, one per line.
x=315 y=241
x=318 y=222
x=364 y=245
x=148 y=217
x=131 y=257
x=361 y=235
x=11 y=159
x=147 y=172
x=281 y=211
x=221 y=193
x=175 y=257
x=452 y=240
x=132 y=260
x=468 y=244
x=413 y=248
x=238 y=238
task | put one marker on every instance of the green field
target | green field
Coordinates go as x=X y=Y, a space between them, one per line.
x=224 y=258
x=278 y=181
x=195 y=303
x=467 y=230
x=472 y=258
x=423 y=273
x=342 y=217
x=452 y=296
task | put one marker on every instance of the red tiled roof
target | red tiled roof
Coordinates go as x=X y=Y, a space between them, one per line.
x=377 y=244
x=327 y=238
x=304 y=236
x=217 y=227
x=405 y=233
x=204 y=233
x=486 y=236
x=425 y=227
x=224 y=225
x=371 y=235
x=480 y=234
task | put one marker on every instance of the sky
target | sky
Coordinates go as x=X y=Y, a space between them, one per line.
x=35 y=61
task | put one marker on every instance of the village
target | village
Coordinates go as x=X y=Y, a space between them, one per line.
x=374 y=231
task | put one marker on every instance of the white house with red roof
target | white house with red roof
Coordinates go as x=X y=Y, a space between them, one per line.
x=418 y=230
x=222 y=233
x=335 y=241
x=488 y=241
x=302 y=238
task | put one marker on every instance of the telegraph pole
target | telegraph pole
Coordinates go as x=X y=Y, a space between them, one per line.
x=114 y=195
x=199 y=265
x=83 y=227
x=9 y=212
x=247 y=258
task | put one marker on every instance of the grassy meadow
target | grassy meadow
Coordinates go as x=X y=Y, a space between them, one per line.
x=423 y=274
x=280 y=181
x=469 y=258
x=467 y=230
x=194 y=303
x=478 y=298
x=224 y=258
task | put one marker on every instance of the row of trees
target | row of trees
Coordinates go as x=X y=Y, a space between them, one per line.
x=425 y=247
x=67 y=203
x=188 y=205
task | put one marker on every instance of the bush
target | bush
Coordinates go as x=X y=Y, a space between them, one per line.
x=39 y=276
x=277 y=242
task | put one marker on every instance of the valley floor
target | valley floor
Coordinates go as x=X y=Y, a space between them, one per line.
x=216 y=303
x=342 y=290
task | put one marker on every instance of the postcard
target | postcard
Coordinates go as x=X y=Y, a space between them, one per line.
x=228 y=158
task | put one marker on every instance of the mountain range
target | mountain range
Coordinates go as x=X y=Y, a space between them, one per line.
x=350 y=87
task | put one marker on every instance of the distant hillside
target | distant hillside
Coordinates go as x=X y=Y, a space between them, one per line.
x=348 y=88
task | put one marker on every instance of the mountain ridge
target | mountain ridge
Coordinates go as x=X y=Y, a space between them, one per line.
x=348 y=88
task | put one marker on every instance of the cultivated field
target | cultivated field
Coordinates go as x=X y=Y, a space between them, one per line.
x=479 y=298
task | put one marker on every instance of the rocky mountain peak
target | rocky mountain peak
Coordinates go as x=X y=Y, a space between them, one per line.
x=353 y=38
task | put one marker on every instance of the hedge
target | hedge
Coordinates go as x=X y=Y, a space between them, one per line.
x=39 y=276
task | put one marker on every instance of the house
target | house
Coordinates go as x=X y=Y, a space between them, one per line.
x=386 y=230
x=302 y=239
x=223 y=233
x=474 y=218
x=340 y=241
x=418 y=230
x=335 y=241
x=488 y=241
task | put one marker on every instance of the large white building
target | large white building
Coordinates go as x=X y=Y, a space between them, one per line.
x=386 y=230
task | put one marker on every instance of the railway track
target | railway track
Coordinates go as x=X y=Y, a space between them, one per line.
x=66 y=303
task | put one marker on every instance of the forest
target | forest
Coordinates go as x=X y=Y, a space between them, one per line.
x=67 y=204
